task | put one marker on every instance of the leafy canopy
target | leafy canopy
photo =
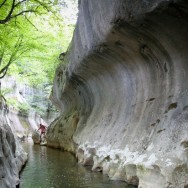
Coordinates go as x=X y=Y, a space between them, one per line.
x=32 y=35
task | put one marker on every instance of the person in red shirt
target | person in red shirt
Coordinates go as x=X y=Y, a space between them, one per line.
x=42 y=129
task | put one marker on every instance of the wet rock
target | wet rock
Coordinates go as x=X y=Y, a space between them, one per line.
x=61 y=136
x=36 y=137
x=39 y=139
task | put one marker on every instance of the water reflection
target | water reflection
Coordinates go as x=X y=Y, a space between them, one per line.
x=51 y=168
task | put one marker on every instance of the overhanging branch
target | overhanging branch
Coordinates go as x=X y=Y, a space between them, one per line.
x=17 y=46
x=31 y=23
x=22 y=13
x=19 y=3
x=3 y=3
x=13 y=12
x=8 y=17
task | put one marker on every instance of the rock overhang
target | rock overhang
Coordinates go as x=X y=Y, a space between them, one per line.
x=126 y=83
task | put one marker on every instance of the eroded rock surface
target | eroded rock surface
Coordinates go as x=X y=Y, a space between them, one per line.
x=124 y=91
x=12 y=155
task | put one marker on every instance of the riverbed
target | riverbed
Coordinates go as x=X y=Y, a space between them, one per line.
x=52 y=168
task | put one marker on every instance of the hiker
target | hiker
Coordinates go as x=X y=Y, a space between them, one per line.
x=42 y=129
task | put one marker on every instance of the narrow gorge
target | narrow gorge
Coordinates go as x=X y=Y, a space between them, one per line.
x=120 y=89
x=16 y=125
x=123 y=92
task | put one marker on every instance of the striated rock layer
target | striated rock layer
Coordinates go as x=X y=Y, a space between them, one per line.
x=124 y=91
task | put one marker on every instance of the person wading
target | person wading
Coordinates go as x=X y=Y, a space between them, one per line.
x=42 y=129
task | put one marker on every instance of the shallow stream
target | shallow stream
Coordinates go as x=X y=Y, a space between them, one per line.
x=52 y=168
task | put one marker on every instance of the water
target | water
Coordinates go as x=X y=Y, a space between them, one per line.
x=51 y=168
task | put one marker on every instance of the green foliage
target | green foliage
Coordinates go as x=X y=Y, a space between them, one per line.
x=39 y=110
x=34 y=39
x=12 y=102
x=12 y=9
x=23 y=109
x=6 y=91
x=32 y=35
x=37 y=63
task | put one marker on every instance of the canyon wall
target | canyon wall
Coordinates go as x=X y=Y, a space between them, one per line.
x=27 y=107
x=16 y=123
x=123 y=91
x=12 y=156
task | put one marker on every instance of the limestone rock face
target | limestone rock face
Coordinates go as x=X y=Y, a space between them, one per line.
x=124 y=91
x=12 y=156
x=22 y=119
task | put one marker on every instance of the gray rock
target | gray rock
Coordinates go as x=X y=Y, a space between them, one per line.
x=125 y=80
x=12 y=155
x=36 y=137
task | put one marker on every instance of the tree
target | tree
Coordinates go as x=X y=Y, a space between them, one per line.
x=18 y=8
x=16 y=18
x=43 y=45
x=32 y=35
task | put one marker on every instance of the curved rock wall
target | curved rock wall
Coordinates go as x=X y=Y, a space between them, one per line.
x=124 y=92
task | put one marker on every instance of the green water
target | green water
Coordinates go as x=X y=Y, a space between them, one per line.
x=51 y=168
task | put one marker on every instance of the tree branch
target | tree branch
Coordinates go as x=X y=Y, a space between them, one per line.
x=3 y=3
x=9 y=14
x=2 y=54
x=21 y=13
x=5 y=71
x=5 y=68
x=31 y=23
x=12 y=57
x=19 y=3
x=7 y=65
x=23 y=52
x=43 y=5
x=13 y=6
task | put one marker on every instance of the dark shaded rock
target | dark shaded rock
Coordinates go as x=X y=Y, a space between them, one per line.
x=12 y=156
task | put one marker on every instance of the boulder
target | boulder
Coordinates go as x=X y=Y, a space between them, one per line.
x=36 y=137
